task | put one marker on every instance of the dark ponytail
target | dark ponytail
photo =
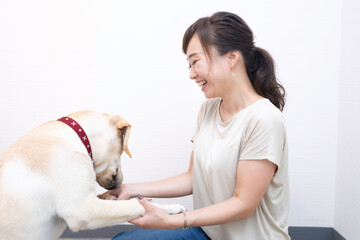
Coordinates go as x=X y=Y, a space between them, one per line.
x=261 y=71
x=227 y=32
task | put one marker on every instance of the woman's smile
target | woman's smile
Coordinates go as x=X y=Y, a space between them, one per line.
x=202 y=84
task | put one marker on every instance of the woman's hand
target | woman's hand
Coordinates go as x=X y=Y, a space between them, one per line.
x=107 y=196
x=154 y=217
x=121 y=193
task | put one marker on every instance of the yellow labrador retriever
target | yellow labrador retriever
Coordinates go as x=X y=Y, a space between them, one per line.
x=47 y=178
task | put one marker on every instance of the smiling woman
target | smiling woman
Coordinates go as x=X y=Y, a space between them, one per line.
x=238 y=170
x=209 y=39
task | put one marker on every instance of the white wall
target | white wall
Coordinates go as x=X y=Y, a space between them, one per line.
x=347 y=208
x=125 y=57
x=308 y=61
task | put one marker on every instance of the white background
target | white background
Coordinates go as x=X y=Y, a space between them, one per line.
x=347 y=197
x=125 y=57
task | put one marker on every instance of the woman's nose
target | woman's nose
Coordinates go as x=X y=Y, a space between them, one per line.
x=193 y=74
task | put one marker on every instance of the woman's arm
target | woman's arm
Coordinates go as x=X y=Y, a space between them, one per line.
x=252 y=180
x=176 y=186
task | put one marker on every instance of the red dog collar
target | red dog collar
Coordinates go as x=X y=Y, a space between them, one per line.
x=80 y=132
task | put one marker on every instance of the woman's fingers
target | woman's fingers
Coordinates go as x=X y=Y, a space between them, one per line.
x=107 y=196
x=145 y=203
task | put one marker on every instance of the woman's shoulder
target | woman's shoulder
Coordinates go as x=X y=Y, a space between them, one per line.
x=210 y=105
x=266 y=112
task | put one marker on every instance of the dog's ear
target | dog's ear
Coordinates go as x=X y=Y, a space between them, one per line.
x=124 y=127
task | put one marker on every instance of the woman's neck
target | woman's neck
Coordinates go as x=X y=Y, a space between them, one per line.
x=239 y=95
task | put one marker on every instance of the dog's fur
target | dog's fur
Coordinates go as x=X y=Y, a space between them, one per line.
x=47 y=179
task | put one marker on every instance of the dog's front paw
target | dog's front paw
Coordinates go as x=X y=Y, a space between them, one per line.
x=174 y=208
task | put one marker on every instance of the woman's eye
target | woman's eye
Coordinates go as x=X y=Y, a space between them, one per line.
x=192 y=64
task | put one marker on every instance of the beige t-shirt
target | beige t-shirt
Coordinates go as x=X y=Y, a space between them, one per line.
x=257 y=132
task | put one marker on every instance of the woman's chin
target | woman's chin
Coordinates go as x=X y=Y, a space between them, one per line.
x=208 y=95
x=207 y=91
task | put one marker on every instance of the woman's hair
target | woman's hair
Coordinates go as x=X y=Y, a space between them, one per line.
x=227 y=32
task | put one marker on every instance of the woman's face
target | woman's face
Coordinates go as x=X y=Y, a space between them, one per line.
x=208 y=74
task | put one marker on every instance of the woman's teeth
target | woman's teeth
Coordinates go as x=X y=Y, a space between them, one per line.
x=202 y=83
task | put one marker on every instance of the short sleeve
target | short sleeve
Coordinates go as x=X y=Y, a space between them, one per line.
x=264 y=138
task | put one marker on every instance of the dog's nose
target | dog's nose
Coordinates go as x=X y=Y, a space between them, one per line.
x=113 y=184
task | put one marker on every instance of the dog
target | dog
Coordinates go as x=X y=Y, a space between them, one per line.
x=47 y=178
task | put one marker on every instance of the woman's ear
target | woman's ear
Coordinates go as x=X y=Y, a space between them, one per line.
x=234 y=57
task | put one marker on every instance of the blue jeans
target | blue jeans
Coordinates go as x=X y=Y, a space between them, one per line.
x=193 y=233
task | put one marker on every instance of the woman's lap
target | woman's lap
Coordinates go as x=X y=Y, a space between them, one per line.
x=194 y=233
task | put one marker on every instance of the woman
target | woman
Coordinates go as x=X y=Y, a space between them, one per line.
x=238 y=167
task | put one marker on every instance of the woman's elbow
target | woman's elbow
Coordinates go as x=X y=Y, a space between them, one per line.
x=246 y=209
x=249 y=212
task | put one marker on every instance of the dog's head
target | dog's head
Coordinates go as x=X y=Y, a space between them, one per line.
x=114 y=143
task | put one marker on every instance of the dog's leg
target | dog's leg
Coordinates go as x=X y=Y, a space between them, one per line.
x=96 y=213
x=77 y=204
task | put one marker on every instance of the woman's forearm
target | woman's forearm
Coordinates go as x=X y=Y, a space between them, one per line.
x=177 y=186
x=230 y=210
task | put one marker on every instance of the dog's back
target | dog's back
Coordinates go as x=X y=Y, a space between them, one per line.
x=26 y=191
x=47 y=178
